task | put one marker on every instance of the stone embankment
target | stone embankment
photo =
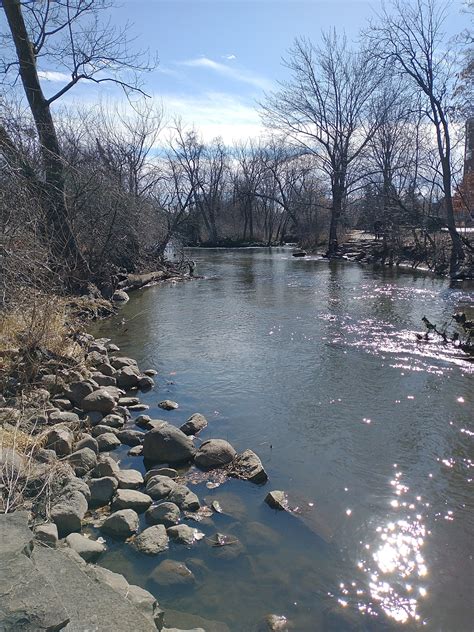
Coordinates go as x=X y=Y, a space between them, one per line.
x=65 y=480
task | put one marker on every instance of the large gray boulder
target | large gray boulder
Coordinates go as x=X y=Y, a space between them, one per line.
x=152 y=540
x=194 y=424
x=167 y=514
x=121 y=524
x=82 y=461
x=74 y=484
x=28 y=602
x=102 y=490
x=68 y=513
x=131 y=499
x=214 y=453
x=90 y=550
x=121 y=362
x=167 y=444
x=100 y=400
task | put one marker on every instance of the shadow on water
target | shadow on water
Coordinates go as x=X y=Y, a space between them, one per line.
x=316 y=367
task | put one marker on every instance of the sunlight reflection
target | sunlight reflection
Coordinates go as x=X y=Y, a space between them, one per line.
x=396 y=567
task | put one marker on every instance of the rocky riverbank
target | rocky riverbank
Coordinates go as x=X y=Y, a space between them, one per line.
x=66 y=497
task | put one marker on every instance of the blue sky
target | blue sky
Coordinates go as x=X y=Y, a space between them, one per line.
x=217 y=57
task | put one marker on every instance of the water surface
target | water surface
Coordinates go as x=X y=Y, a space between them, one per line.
x=317 y=368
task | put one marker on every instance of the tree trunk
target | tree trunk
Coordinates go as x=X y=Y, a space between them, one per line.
x=58 y=229
x=336 y=213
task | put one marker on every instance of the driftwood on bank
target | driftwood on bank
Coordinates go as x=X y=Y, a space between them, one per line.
x=136 y=281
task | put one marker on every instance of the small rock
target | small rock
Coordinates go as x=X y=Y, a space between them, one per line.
x=61 y=417
x=112 y=348
x=47 y=534
x=68 y=512
x=165 y=513
x=74 y=484
x=113 y=420
x=104 y=380
x=128 y=377
x=102 y=490
x=131 y=499
x=136 y=451
x=150 y=372
x=88 y=442
x=45 y=456
x=184 y=498
x=138 y=407
x=184 y=534
x=152 y=540
x=168 y=404
x=77 y=391
x=128 y=401
x=120 y=363
x=106 y=466
x=60 y=440
x=142 y=421
x=89 y=550
x=159 y=487
x=130 y=437
x=107 y=370
x=129 y=479
x=99 y=400
x=249 y=467
x=145 y=383
x=120 y=296
x=171 y=573
x=214 y=453
x=108 y=441
x=161 y=471
x=277 y=500
x=82 y=461
x=101 y=429
x=275 y=623
x=194 y=424
x=121 y=524
x=63 y=404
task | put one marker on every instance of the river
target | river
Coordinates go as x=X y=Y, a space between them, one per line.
x=316 y=367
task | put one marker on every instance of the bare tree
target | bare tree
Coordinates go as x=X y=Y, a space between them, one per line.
x=408 y=38
x=68 y=33
x=323 y=109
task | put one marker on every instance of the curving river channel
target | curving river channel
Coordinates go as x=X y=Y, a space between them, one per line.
x=317 y=368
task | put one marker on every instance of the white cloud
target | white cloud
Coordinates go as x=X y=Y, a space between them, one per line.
x=230 y=57
x=52 y=75
x=215 y=114
x=243 y=75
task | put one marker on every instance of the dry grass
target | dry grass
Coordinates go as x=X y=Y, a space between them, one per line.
x=37 y=329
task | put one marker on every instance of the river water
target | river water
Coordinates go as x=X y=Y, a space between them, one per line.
x=316 y=367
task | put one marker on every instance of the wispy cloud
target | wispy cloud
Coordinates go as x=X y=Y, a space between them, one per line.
x=231 y=72
x=215 y=114
x=230 y=56
x=52 y=75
